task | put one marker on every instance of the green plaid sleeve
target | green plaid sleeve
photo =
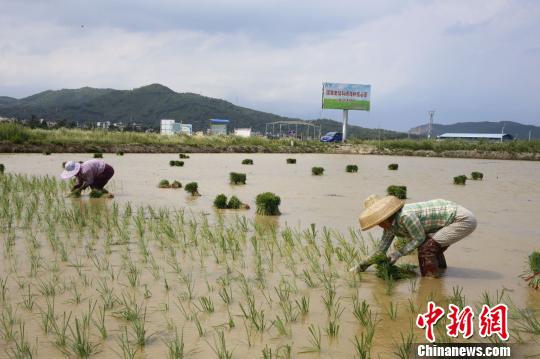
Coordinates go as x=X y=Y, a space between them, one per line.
x=386 y=240
x=414 y=227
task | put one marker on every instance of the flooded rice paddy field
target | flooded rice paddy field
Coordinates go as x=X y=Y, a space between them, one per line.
x=152 y=262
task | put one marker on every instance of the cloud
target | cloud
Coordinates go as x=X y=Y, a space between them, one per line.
x=460 y=57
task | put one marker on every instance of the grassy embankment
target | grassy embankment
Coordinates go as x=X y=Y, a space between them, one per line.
x=16 y=138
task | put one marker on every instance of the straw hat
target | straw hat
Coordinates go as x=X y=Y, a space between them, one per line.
x=70 y=169
x=378 y=209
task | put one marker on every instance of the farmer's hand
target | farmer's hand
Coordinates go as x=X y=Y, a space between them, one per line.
x=393 y=257
x=360 y=267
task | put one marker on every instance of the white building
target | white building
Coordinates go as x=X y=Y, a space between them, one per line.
x=170 y=127
x=242 y=132
x=104 y=125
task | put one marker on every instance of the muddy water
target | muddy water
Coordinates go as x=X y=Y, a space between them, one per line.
x=505 y=203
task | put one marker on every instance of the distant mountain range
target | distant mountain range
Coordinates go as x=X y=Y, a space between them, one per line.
x=148 y=105
x=518 y=130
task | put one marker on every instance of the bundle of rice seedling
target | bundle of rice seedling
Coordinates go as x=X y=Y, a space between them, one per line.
x=176 y=184
x=351 y=168
x=164 y=184
x=388 y=271
x=397 y=191
x=192 y=188
x=532 y=275
x=98 y=155
x=237 y=178
x=291 y=161
x=393 y=166
x=220 y=201
x=247 y=161
x=182 y=156
x=317 y=171
x=119 y=153
x=3 y=168
x=461 y=179
x=173 y=163
x=268 y=204
x=235 y=203
x=96 y=193
x=477 y=175
x=47 y=153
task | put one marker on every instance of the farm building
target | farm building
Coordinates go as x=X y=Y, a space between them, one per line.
x=218 y=126
x=476 y=136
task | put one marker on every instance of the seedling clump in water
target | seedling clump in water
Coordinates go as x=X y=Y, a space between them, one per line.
x=477 y=175
x=237 y=178
x=460 y=179
x=351 y=168
x=164 y=184
x=3 y=168
x=317 y=171
x=192 y=188
x=393 y=166
x=268 y=204
x=247 y=161
x=388 y=271
x=532 y=275
x=291 y=161
x=397 y=191
x=174 y=163
x=183 y=156
x=98 y=155
x=176 y=184
x=119 y=153
x=220 y=201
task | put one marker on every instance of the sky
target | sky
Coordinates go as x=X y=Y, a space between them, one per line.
x=468 y=60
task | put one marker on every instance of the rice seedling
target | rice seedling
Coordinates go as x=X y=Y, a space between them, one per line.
x=7 y=322
x=3 y=168
x=237 y=178
x=176 y=346
x=128 y=350
x=392 y=311
x=176 y=184
x=164 y=184
x=79 y=343
x=393 y=166
x=139 y=328
x=192 y=188
x=528 y=321
x=60 y=330
x=22 y=349
x=291 y=161
x=46 y=153
x=477 y=176
x=235 y=203
x=220 y=346
x=119 y=153
x=281 y=327
x=268 y=204
x=96 y=193
x=3 y=289
x=457 y=297
x=206 y=304
x=532 y=274
x=247 y=161
x=351 y=168
x=397 y=191
x=314 y=339
x=461 y=179
x=28 y=299
x=317 y=171
x=98 y=155
x=183 y=156
x=404 y=348
x=303 y=305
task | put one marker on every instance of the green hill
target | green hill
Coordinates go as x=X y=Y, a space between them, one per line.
x=148 y=105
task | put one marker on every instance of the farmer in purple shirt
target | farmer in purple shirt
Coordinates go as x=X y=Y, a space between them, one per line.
x=93 y=173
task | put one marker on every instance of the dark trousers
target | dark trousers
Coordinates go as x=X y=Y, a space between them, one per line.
x=101 y=180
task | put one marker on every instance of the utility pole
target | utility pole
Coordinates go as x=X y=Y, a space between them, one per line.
x=430 y=125
x=530 y=135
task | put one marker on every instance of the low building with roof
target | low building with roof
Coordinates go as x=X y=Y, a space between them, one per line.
x=218 y=126
x=476 y=136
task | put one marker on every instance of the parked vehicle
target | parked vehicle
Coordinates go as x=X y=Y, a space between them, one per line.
x=332 y=137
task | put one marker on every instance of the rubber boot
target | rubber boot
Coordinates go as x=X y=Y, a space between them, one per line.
x=428 y=261
x=441 y=258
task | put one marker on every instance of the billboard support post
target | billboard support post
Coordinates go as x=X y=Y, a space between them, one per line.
x=345 y=120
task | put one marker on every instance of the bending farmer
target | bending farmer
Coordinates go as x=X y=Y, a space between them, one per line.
x=430 y=226
x=93 y=173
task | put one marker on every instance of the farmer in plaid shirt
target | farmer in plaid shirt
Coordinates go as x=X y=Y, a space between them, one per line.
x=430 y=226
